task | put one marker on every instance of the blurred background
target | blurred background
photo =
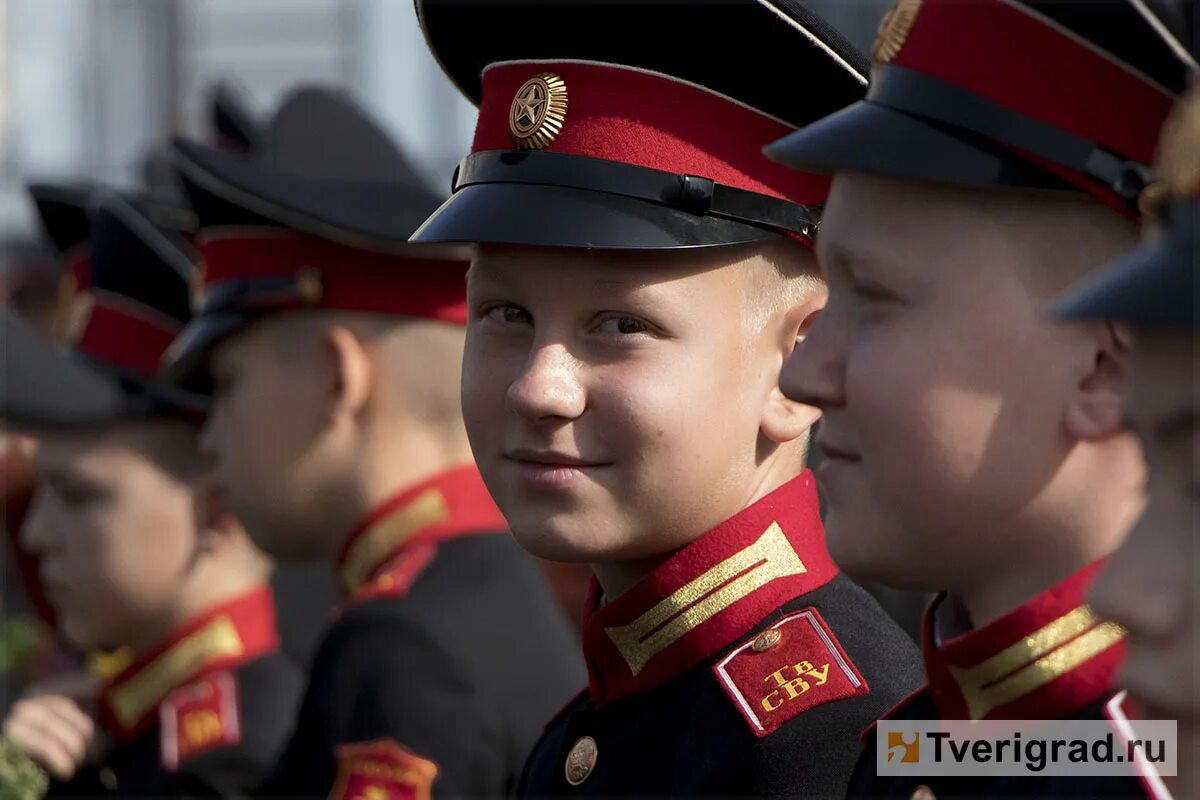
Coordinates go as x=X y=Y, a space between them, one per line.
x=87 y=87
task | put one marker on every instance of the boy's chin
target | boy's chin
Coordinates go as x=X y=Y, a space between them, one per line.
x=868 y=557
x=553 y=544
x=80 y=636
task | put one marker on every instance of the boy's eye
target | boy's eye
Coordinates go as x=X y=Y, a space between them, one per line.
x=508 y=314
x=624 y=326
x=76 y=496
x=873 y=292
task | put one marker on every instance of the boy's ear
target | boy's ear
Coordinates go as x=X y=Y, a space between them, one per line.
x=215 y=524
x=352 y=373
x=785 y=420
x=1097 y=409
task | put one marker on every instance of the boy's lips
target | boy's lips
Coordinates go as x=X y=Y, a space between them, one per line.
x=548 y=458
x=837 y=452
x=549 y=469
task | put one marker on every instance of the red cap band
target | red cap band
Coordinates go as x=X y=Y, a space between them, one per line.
x=116 y=333
x=651 y=120
x=1053 y=76
x=350 y=278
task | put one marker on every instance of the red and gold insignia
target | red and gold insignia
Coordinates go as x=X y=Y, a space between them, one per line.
x=894 y=29
x=794 y=665
x=200 y=717
x=382 y=770
x=538 y=111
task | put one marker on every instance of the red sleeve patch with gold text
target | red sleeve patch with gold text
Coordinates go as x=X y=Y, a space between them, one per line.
x=382 y=770
x=199 y=717
x=792 y=666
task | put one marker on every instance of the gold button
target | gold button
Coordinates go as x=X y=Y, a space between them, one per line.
x=922 y=792
x=581 y=760
x=766 y=640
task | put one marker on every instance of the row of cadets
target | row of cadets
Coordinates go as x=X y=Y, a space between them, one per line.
x=331 y=349
x=134 y=548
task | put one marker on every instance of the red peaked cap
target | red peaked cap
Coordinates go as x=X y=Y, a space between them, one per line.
x=1053 y=76
x=1027 y=93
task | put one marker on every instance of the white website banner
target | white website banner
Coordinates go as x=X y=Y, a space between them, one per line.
x=1024 y=747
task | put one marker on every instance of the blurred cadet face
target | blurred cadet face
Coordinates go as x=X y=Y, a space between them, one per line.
x=614 y=400
x=1149 y=586
x=116 y=530
x=942 y=383
x=263 y=430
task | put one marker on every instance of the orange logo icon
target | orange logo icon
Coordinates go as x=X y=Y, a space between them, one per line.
x=904 y=748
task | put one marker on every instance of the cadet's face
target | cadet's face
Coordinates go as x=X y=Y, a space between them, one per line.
x=613 y=401
x=1149 y=585
x=260 y=431
x=114 y=532
x=936 y=375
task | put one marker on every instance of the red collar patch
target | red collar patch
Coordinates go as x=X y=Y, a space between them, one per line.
x=792 y=666
x=392 y=545
x=382 y=770
x=200 y=717
x=222 y=638
x=1046 y=660
x=708 y=595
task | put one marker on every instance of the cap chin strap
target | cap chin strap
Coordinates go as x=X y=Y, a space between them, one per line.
x=689 y=193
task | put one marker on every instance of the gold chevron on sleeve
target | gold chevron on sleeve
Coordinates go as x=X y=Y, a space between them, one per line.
x=697 y=601
x=427 y=508
x=1052 y=651
x=218 y=639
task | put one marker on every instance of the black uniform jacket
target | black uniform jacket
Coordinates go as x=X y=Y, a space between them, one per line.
x=1051 y=658
x=206 y=714
x=744 y=665
x=444 y=663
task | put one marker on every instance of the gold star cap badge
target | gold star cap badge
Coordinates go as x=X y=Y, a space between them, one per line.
x=894 y=29
x=538 y=111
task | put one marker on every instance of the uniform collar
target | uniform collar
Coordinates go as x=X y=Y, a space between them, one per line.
x=1047 y=659
x=393 y=542
x=709 y=594
x=224 y=637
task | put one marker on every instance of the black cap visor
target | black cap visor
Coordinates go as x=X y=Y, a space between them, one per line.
x=43 y=388
x=1152 y=287
x=185 y=363
x=558 y=216
x=867 y=137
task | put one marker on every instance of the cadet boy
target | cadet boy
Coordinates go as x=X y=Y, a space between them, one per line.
x=1149 y=586
x=643 y=273
x=135 y=551
x=973 y=446
x=335 y=347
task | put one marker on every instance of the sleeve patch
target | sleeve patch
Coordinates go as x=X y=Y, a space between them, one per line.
x=200 y=717
x=785 y=670
x=382 y=770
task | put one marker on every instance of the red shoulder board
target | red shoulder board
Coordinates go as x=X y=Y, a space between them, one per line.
x=382 y=770
x=785 y=670
x=198 y=717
